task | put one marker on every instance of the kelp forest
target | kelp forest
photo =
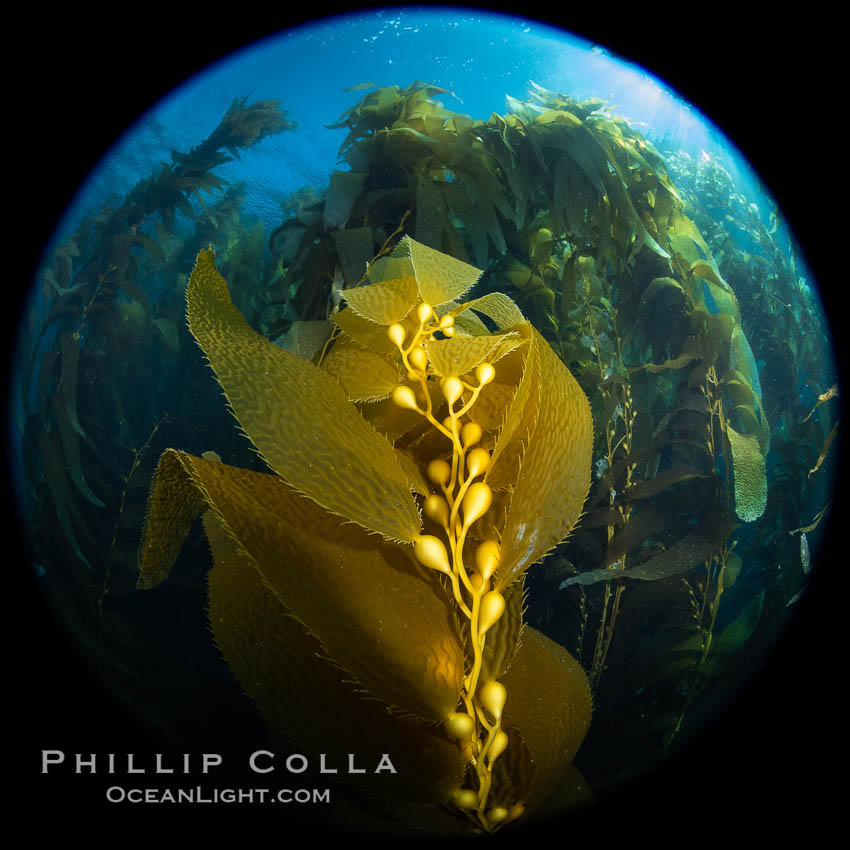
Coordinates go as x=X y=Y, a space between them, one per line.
x=678 y=306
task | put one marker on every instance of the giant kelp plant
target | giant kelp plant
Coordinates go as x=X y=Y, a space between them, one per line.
x=678 y=308
x=316 y=617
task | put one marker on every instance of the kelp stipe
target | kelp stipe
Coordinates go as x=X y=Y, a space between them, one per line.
x=320 y=604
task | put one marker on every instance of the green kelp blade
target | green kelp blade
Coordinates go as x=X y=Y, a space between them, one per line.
x=831 y=393
x=377 y=616
x=692 y=349
x=686 y=239
x=549 y=701
x=343 y=191
x=739 y=631
x=311 y=701
x=56 y=476
x=293 y=411
x=694 y=548
x=70 y=350
x=554 y=474
x=749 y=473
x=71 y=446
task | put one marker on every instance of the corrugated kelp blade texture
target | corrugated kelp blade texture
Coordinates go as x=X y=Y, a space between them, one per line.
x=304 y=698
x=554 y=474
x=375 y=615
x=290 y=409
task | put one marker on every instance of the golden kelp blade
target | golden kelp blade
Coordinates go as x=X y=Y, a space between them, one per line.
x=519 y=420
x=307 y=698
x=364 y=375
x=364 y=331
x=174 y=503
x=376 y=616
x=385 y=302
x=554 y=475
x=462 y=354
x=503 y=639
x=498 y=307
x=441 y=277
x=292 y=410
x=549 y=701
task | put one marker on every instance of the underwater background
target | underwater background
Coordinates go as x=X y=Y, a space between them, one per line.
x=774 y=725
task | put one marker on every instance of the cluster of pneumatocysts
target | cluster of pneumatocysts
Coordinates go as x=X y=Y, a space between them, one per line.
x=463 y=498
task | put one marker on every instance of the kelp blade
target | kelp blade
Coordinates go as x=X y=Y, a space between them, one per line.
x=308 y=699
x=441 y=277
x=364 y=375
x=749 y=473
x=375 y=614
x=520 y=417
x=384 y=302
x=554 y=475
x=549 y=701
x=291 y=409
x=694 y=548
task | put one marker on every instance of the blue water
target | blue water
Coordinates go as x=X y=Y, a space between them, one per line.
x=479 y=58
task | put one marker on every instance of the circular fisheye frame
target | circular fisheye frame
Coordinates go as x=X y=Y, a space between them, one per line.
x=422 y=423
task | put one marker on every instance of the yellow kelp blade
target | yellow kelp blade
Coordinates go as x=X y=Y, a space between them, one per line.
x=390 y=268
x=307 y=698
x=554 y=475
x=498 y=307
x=503 y=639
x=550 y=703
x=385 y=302
x=364 y=375
x=376 y=614
x=366 y=332
x=513 y=772
x=292 y=410
x=462 y=354
x=519 y=419
x=441 y=278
